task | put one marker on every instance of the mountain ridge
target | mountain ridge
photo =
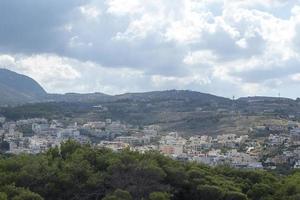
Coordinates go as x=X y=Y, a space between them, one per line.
x=185 y=111
x=18 y=89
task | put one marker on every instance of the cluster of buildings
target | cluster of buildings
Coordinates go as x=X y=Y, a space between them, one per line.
x=277 y=148
x=137 y=139
x=36 y=135
x=282 y=149
x=241 y=151
x=220 y=150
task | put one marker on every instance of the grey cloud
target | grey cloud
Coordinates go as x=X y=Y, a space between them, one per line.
x=37 y=27
x=264 y=73
x=226 y=47
x=30 y=26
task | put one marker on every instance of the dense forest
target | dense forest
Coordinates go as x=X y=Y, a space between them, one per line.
x=81 y=172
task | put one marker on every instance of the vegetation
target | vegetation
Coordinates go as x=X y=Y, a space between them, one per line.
x=50 y=110
x=82 y=172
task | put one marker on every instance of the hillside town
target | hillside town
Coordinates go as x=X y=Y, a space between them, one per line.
x=265 y=147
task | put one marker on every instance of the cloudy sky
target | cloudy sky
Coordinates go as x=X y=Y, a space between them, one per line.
x=224 y=47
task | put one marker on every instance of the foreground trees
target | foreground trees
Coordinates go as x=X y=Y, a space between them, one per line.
x=76 y=172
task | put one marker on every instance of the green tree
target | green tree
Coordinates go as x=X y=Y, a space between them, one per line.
x=260 y=191
x=3 y=196
x=159 y=196
x=235 y=196
x=17 y=193
x=208 y=192
x=27 y=195
x=118 y=195
x=68 y=148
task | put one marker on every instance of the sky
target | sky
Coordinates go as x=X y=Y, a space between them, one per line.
x=223 y=47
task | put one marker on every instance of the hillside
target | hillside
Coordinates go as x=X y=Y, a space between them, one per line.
x=175 y=95
x=187 y=112
x=17 y=89
x=185 y=115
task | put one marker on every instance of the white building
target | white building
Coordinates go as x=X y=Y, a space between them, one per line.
x=172 y=144
x=95 y=125
x=68 y=133
x=39 y=128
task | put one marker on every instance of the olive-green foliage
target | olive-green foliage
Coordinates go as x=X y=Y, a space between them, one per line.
x=3 y=196
x=208 y=192
x=235 y=196
x=81 y=172
x=118 y=195
x=159 y=196
x=18 y=193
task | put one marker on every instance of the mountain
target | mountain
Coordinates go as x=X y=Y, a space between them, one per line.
x=174 y=110
x=18 y=89
x=174 y=95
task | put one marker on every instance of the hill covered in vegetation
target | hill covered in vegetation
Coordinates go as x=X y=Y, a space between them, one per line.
x=85 y=173
x=186 y=112
x=17 y=88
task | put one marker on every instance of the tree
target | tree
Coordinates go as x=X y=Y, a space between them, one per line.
x=259 y=191
x=80 y=172
x=3 y=196
x=294 y=197
x=208 y=192
x=118 y=195
x=17 y=193
x=235 y=196
x=68 y=148
x=159 y=196
x=27 y=195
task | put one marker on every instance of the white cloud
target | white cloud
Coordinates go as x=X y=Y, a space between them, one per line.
x=295 y=77
x=124 y=7
x=119 y=45
x=61 y=74
x=90 y=12
x=205 y=57
x=6 y=60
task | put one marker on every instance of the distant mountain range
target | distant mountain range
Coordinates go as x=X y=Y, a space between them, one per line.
x=17 y=89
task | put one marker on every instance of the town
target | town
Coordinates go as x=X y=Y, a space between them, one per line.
x=265 y=147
